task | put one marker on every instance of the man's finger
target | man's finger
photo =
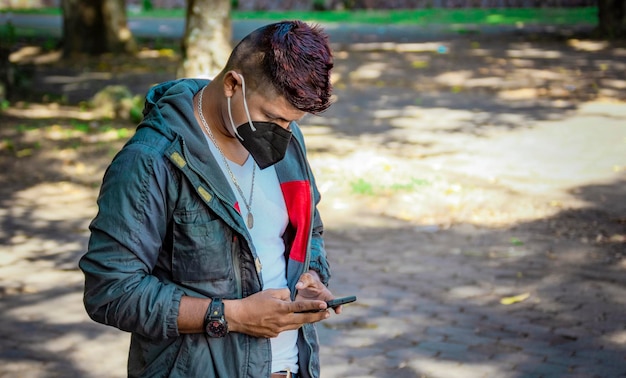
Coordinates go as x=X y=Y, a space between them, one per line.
x=307 y=306
x=306 y=279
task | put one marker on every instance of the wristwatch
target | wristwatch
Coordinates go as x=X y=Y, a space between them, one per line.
x=215 y=323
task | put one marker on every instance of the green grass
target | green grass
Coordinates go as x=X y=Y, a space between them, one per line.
x=367 y=188
x=548 y=16
x=560 y=16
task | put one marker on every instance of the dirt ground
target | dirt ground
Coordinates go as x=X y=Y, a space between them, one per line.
x=494 y=147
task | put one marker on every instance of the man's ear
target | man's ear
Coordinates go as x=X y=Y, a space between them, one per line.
x=231 y=81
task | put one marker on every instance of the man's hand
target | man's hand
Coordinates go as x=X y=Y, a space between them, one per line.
x=270 y=312
x=310 y=287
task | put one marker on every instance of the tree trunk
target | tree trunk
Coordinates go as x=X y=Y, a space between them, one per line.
x=95 y=27
x=612 y=18
x=206 y=43
x=119 y=37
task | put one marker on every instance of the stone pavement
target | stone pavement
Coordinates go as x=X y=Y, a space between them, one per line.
x=429 y=306
x=492 y=245
x=429 y=295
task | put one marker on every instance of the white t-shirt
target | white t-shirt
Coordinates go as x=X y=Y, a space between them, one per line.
x=270 y=221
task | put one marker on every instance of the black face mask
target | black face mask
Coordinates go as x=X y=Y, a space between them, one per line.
x=267 y=142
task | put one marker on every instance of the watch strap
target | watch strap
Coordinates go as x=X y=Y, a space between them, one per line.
x=215 y=324
x=216 y=309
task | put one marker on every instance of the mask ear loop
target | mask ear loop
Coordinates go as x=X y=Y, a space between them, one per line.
x=230 y=115
x=245 y=103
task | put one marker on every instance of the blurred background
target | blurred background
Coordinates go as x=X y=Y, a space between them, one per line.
x=472 y=169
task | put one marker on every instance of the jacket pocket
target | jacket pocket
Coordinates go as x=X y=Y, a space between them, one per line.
x=201 y=248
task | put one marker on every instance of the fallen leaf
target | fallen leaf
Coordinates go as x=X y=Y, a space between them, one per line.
x=514 y=299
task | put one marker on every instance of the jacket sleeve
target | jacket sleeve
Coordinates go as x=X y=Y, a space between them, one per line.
x=319 y=261
x=126 y=237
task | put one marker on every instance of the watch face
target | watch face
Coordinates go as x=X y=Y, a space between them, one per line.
x=216 y=328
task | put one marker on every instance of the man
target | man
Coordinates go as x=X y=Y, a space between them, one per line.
x=208 y=246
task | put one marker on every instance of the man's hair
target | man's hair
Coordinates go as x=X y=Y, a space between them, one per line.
x=290 y=57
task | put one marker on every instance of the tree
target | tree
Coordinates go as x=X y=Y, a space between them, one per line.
x=206 y=43
x=612 y=18
x=95 y=27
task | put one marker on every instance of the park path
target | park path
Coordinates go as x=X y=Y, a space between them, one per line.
x=441 y=201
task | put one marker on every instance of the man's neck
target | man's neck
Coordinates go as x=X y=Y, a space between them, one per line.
x=229 y=145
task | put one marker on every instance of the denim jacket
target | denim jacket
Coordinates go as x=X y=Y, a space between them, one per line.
x=168 y=225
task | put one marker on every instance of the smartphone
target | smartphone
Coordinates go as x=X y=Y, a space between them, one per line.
x=336 y=302
x=340 y=301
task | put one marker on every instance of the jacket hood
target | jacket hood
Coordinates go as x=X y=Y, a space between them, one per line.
x=169 y=109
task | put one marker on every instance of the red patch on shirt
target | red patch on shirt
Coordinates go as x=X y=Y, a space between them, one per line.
x=297 y=196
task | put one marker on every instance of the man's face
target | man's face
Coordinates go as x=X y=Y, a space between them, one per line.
x=253 y=110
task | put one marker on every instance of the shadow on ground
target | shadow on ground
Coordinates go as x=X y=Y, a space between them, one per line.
x=430 y=301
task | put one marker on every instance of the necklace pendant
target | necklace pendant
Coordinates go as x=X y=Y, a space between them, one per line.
x=250 y=221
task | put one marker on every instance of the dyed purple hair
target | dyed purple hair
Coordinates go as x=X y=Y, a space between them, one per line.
x=291 y=58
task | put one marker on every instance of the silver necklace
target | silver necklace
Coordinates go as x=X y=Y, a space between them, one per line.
x=249 y=218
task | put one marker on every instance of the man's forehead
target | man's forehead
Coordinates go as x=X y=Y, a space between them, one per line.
x=278 y=106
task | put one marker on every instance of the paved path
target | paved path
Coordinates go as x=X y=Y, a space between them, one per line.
x=515 y=199
x=429 y=306
x=429 y=296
